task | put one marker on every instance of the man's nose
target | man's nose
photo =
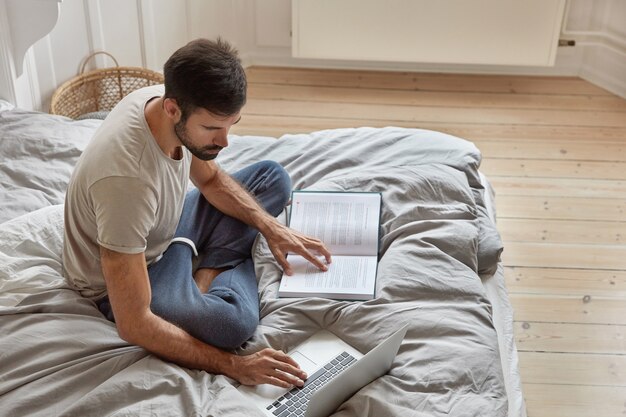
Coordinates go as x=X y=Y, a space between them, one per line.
x=222 y=139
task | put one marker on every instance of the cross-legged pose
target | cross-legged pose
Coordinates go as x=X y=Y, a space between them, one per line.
x=173 y=268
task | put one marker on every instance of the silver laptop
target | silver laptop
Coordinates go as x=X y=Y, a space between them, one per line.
x=336 y=371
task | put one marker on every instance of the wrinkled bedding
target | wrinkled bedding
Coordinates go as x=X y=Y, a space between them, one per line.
x=59 y=356
x=37 y=155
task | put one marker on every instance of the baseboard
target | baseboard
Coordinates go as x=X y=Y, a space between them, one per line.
x=611 y=84
x=282 y=60
x=605 y=68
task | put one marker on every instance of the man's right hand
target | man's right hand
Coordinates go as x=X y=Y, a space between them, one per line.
x=268 y=366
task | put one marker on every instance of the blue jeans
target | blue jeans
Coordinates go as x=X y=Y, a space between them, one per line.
x=228 y=314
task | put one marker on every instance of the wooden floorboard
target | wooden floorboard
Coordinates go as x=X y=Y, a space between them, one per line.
x=562 y=231
x=545 y=187
x=435 y=98
x=557 y=207
x=568 y=400
x=425 y=81
x=573 y=368
x=262 y=124
x=554 y=168
x=554 y=148
x=562 y=255
x=559 y=308
x=417 y=115
x=566 y=281
x=570 y=338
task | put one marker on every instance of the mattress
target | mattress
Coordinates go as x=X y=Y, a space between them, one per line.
x=439 y=272
x=495 y=287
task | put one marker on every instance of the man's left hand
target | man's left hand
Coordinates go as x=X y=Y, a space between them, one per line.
x=283 y=240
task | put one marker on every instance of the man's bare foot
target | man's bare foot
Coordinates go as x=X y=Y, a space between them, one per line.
x=205 y=276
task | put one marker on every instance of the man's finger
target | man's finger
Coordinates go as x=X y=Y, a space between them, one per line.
x=282 y=260
x=318 y=246
x=290 y=369
x=282 y=356
x=287 y=377
x=313 y=259
x=323 y=250
x=276 y=381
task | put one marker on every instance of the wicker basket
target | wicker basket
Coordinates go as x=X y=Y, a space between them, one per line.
x=101 y=89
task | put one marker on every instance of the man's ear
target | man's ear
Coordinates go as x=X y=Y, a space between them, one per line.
x=171 y=109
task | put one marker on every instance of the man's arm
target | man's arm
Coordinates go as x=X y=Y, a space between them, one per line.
x=229 y=197
x=129 y=292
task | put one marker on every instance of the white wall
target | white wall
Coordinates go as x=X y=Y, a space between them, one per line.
x=146 y=32
x=598 y=27
x=138 y=33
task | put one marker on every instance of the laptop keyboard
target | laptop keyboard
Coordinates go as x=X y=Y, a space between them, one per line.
x=294 y=402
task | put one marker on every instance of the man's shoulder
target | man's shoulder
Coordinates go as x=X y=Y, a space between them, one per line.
x=119 y=146
x=132 y=106
x=148 y=92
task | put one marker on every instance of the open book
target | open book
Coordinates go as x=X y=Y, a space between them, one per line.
x=347 y=223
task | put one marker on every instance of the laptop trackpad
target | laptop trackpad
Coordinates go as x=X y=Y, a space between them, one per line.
x=305 y=363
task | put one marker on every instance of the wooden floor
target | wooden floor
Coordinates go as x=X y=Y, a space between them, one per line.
x=555 y=151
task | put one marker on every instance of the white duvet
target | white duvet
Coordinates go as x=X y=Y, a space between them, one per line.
x=61 y=357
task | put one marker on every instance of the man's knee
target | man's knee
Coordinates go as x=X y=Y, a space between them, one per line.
x=226 y=327
x=236 y=326
x=283 y=189
x=238 y=333
x=278 y=185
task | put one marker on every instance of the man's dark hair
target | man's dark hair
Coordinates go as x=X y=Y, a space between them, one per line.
x=206 y=74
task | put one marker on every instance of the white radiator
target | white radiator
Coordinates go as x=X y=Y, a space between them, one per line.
x=492 y=32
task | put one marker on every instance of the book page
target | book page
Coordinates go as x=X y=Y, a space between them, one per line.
x=348 y=277
x=347 y=222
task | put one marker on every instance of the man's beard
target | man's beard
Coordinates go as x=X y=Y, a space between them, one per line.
x=204 y=153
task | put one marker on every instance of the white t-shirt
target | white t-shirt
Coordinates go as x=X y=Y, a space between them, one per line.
x=125 y=194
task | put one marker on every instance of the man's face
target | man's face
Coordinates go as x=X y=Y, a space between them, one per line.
x=204 y=133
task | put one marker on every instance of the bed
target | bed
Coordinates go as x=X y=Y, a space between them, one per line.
x=439 y=271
